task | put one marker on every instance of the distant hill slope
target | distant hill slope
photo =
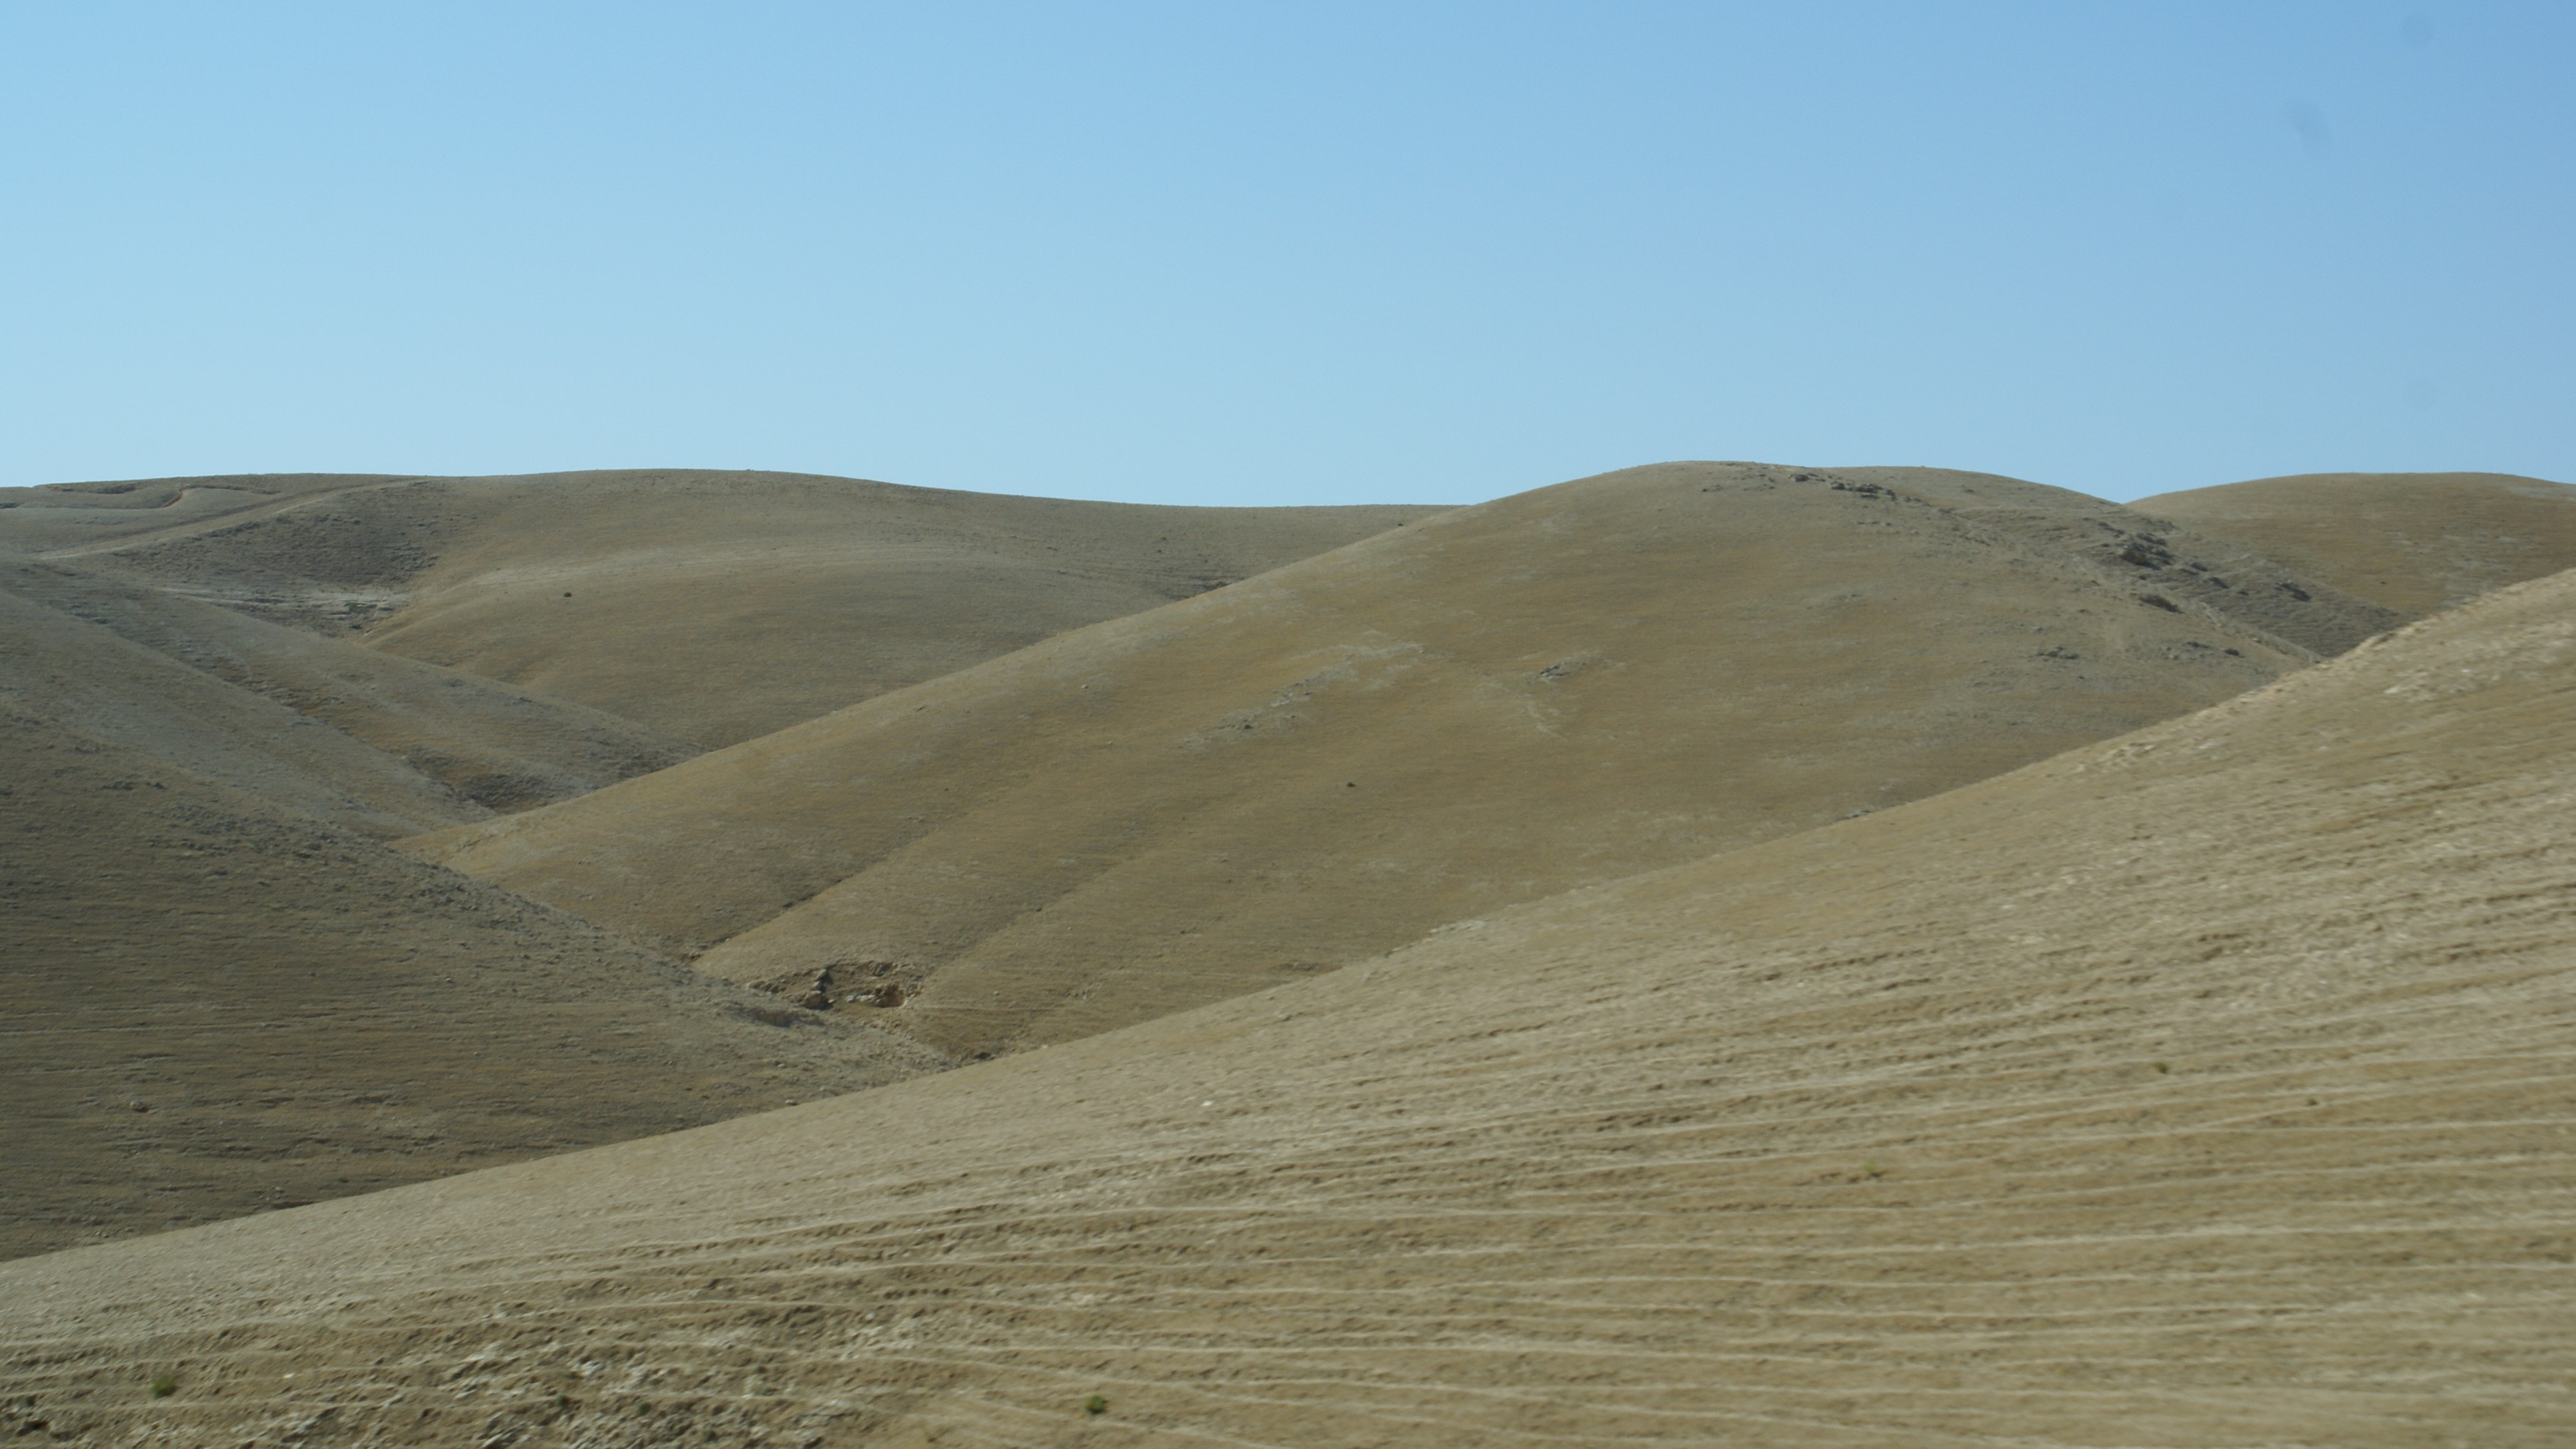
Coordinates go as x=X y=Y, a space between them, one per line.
x=82 y=517
x=484 y=744
x=63 y=670
x=214 y=1005
x=711 y=606
x=2414 y=542
x=1489 y=706
x=2211 y=1085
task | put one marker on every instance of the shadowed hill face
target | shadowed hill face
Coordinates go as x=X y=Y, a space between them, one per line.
x=60 y=668
x=216 y=1006
x=2234 y=1054
x=1322 y=763
x=448 y=746
x=224 y=997
x=2414 y=542
x=711 y=606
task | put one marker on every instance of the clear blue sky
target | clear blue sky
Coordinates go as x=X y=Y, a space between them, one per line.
x=1288 y=253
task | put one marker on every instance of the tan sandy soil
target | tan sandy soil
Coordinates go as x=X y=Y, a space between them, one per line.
x=213 y=1006
x=2415 y=542
x=2208 y=1086
x=491 y=745
x=711 y=606
x=1495 y=704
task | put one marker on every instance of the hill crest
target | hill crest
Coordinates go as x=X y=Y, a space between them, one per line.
x=1491 y=705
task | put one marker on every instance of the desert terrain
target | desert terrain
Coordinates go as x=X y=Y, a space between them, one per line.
x=1712 y=952
x=1482 y=708
x=225 y=994
x=709 y=606
x=2414 y=542
x=217 y=689
x=216 y=1006
x=2208 y=1084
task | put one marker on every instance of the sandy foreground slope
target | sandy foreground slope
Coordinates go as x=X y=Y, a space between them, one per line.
x=2215 y=1085
x=2415 y=542
x=1482 y=708
x=211 y=1004
x=714 y=606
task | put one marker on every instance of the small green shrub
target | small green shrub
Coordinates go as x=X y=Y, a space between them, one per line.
x=1095 y=1405
x=164 y=1385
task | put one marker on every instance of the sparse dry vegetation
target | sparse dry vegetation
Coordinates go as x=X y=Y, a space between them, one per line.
x=1665 y=959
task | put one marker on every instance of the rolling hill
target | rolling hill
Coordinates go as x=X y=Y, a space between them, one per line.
x=217 y=1005
x=455 y=746
x=2211 y=1084
x=224 y=995
x=87 y=679
x=2414 y=542
x=1488 y=706
x=710 y=606
x=83 y=518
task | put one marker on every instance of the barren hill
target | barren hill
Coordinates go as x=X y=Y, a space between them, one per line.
x=199 y=748
x=215 y=1005
x=81 y=676
x=436 y=745
x=2211 y=1085
x=1488 y=706
x=2415 y=542
x=711 y=606
x=80 y=518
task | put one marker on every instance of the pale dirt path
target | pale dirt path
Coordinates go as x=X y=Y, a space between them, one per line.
x=2211 y=1086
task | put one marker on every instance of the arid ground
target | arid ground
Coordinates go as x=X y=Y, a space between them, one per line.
x=1710 y=953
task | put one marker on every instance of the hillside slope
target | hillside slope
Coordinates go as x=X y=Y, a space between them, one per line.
x=492 y=745
x=2414 y=542
x=712 y=606
x=2212 y=1085
x=79 y=518
x=214 y=1005
x=85 y=678
x=1489 y=706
